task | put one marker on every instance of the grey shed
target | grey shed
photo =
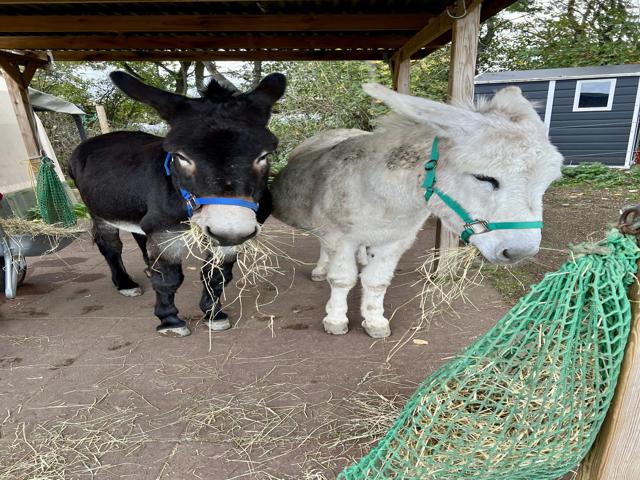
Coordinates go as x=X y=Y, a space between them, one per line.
x=591 y=113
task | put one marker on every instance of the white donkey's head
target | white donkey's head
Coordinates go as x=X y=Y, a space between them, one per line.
x=496 y=161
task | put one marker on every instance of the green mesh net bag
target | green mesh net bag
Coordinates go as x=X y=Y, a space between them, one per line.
x=53 y=202
x=526 y=400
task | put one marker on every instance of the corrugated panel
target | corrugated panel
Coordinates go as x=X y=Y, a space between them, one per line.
x=593 y=136
x=535 y=92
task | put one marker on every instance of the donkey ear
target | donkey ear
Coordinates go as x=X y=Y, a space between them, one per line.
x=165 y=103
x=450 y=119
x=269 y=90
x=512 y=103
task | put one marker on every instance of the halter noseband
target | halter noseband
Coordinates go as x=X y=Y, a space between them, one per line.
x=471 y=226
x=192 y=202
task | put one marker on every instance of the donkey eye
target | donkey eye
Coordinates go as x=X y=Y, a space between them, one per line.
x=483 y=178
x=262 y=160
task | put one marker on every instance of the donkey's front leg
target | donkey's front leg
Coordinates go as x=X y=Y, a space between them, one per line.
x=375 y=278
x=342 y=276
x=215 y=277
x=165 y=261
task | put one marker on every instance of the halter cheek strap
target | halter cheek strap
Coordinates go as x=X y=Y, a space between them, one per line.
x=192 y=202
x=471 y=226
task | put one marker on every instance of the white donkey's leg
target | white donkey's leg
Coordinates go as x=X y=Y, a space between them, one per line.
x=375 y=278
x=342 y=275
x=319 y=273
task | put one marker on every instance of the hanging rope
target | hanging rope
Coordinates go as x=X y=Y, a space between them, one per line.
x=53 y=202
x=527 y=399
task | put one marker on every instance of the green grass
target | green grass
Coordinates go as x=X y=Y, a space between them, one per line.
x=597 y=175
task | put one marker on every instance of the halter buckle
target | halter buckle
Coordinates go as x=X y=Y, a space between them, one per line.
x=479 y=226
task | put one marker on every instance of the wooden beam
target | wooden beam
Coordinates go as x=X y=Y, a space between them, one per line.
x=102 y=119
x=401 y=73
x=239 y=55
x=19 y=96
x=46 y=2
x=462 y=68
x=210 y=23
x=434 y=30
x=208 y=42
x=616 y=452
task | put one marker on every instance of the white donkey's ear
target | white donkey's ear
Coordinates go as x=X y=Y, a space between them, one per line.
x=510 y=101
x=450 y=119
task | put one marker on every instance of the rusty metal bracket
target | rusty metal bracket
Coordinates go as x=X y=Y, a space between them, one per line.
x=629 y=222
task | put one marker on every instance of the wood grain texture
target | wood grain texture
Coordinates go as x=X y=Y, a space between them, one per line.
x=199 y=41
x=102 y=119
x=462 y=69
x=210 y=23
x=19 y=96
x=616 y=453
x=402 y=76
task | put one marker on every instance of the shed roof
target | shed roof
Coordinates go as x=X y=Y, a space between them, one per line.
x=232 y=29
x=560 y=74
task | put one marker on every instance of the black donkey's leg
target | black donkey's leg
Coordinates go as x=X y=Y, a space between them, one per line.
x=108 y=241
x=215 y=277
x=166 y=277
x=141 y=240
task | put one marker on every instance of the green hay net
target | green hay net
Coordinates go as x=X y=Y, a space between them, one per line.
x=53 y=201
x=527 y=399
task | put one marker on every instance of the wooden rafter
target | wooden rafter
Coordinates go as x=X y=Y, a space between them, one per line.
x=153 y=42
x=436 y=28
x=283 y=55
x=210 y=23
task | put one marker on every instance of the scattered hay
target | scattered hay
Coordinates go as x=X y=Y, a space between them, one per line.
x=71 y=448
x=19 y=226
x=458 y=271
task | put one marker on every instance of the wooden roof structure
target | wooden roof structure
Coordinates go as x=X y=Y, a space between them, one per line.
x=151 y=30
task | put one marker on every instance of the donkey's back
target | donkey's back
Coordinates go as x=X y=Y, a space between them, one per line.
x=308 y=172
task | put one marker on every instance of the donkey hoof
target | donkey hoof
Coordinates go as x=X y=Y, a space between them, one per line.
x=318 y=275
x=176 y=332
x=336 y=326
x=379 y=329
x=131 y=292
x=219 y=325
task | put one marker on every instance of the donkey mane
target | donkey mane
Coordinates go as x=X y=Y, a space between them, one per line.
x=214 y=92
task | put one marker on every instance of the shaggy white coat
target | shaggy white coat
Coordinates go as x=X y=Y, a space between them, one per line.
x=357 y=190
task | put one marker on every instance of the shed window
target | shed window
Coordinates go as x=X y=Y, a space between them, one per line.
x=594 y=95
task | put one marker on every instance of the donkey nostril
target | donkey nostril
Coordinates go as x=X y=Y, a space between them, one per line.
x=506 y=254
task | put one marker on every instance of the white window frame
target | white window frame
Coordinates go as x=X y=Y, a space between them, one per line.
x=576 y=98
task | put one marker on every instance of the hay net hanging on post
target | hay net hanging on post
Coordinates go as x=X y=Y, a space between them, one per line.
x=526 y=400
x=53 y=202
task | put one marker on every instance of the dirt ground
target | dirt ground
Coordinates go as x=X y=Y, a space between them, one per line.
x=88 y=387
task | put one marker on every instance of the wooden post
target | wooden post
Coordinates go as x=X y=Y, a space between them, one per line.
x=401 y=73
x=616 y=453
x=102 y=118
x=462 y=69
x=17 y=86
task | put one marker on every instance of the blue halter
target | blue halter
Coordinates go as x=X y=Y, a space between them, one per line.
x=192 y=202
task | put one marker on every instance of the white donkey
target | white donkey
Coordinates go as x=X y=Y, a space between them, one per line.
x=356 y=189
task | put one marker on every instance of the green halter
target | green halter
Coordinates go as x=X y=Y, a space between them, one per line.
x=471 y=226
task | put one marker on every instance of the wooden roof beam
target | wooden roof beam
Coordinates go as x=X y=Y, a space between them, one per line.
x=145 y=56
x=436 y=28
x=143 y=42
x=210 y=23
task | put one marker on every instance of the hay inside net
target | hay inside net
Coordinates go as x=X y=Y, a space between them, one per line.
x=527 y=399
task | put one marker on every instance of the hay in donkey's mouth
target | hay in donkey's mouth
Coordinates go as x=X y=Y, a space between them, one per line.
x=257 y=260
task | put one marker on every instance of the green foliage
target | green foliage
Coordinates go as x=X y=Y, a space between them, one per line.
x=79 y=208
x=320 y=96
x=597 y=175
